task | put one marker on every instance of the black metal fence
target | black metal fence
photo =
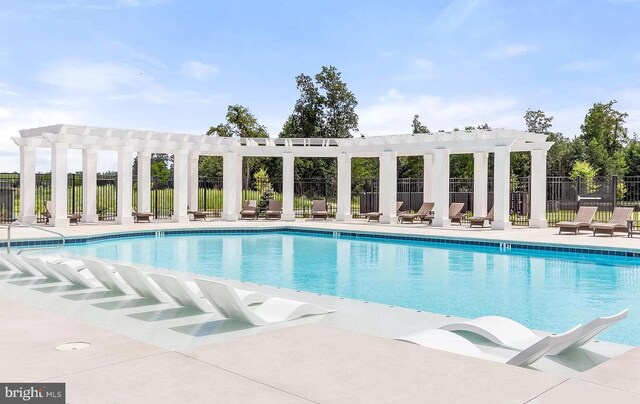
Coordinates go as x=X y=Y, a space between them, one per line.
x=564 y=195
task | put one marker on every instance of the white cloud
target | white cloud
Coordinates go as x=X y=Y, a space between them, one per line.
x=392 y=114
x=198 y=70
x=457 y=12
x=584 y=66
x=111 y=81
x=512 y=50
x=14 y=119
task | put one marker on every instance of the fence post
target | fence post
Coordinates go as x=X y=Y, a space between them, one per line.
x=578 y=191
x=614 y=191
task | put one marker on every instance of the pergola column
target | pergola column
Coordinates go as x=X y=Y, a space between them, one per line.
x=239 y=186
x=28 y=184
x=125 y=197
x=229 y=187
x=343 y=212
x=427 y=193
x=388 y=194
x=194 y=158
x=441 y=188
x=287 y=187
x=144 y=181
x=59 y=184
x=89 y=185
x=538 y=189
x=501 y=179
x=480 y=183
x=180 y=186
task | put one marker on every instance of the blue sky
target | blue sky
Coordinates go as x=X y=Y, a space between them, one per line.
x=176 y=65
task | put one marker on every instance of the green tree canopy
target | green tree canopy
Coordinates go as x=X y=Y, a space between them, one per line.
x=417 y=126
x=325 y=108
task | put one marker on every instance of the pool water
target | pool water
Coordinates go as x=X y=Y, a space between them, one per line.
x=541 y=289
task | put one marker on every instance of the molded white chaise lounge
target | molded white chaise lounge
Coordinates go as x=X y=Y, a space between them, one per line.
x=274 y=310
x=15 y=263
x=511 y=334
x=106 y=276
x=41 y=265
x=448 y=341
x=138 y=281
x=188 y=294
x=180 y=292
x=72 y=274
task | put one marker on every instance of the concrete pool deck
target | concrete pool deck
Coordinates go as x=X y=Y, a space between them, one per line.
x=298 y=364
x=151 y=353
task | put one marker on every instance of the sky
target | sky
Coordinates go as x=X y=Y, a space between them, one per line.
x=175 y=65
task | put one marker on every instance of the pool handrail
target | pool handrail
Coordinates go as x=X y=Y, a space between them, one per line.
x=19 y=223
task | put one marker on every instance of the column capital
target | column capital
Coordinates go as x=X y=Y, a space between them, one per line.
x=91 y=151
x=194 y=155
x=28 y=148
x=181 y=152
x=144 y=154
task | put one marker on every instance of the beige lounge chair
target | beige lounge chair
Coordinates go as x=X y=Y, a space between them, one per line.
x=138 y=216
x=617 y=223
x=455 y=214
x=319 y=209
x=73 y=218
x=376 y=215
x=479 y=220
x=249 y=210
x=425 y=214
x=583 y=220
x=197 y=214
x=274 y=210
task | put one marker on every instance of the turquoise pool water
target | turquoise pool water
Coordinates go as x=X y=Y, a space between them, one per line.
x=541 y=289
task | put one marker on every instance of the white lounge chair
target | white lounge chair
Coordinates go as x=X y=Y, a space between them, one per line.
x=188 y=294
x=106 y=276
x=72 y=274
x=448 y=341
x=511 y=334
x=138 y=281
x=274 y=310
x=180 y=292
x=41 y=266
x=15 y=263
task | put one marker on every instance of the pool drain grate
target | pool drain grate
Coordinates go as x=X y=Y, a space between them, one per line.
x=73 y=346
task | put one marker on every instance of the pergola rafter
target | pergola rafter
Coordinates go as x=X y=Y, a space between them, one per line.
x=186 y=148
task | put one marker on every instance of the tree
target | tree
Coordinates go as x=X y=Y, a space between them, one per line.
x=538 y=122
x=633 y=156
x=326 y=109
x=329 y=113
x=605 y=125
x=417 y=126
x=240 y=123
x=585 y=172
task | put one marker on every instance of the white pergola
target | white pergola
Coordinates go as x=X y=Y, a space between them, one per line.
x=436 y=148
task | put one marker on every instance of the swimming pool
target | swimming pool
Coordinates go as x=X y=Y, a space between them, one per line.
x=545 y=290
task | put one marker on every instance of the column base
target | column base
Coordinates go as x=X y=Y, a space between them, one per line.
x=501 y=226
x=538 y=223
x=229 y=217
x=388 y=219
x=288 y=217
x=343 y=217
x=28 y=219
x=441 y=222
x=90 y=218
x=124 y=220
x=180 y=218
x=59 y=222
